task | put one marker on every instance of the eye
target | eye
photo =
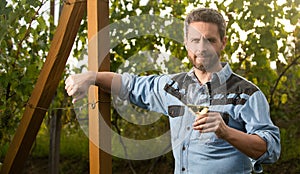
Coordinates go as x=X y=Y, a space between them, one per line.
x=195 y=40
x=211 y=40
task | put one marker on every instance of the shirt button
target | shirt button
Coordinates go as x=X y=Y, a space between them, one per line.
x=183 y=169
x=183 y=148
x=188 y=128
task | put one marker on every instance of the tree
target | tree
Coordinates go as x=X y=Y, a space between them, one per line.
x=23 y=47
x=260 y=47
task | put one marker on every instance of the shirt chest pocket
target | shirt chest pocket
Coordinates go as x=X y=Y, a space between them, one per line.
x=209 y=138
x=176 y=110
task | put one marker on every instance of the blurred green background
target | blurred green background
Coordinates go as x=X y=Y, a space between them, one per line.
x=263 y=46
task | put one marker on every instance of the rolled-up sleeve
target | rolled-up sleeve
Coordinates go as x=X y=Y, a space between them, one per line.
x=126 y=86
x=145 y=91
x=256 y=115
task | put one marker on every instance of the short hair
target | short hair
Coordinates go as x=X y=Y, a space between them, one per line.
x=206 y=15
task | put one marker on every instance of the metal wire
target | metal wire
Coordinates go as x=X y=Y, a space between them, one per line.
x=93 y=106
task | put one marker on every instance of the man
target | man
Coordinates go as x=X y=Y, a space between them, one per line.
x=236 y=135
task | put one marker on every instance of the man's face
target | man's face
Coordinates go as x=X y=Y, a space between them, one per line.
x=204 y=45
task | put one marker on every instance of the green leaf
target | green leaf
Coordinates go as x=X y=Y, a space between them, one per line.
x=295 y=19
x=284 y=98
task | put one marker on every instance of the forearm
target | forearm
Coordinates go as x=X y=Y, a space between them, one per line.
x=77 y=85
x=250 y=144
x=108 y=81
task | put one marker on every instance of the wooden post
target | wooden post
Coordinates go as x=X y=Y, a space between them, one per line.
x=45 y=87
x=54 y=148
x=55 y=117
x=98 y=60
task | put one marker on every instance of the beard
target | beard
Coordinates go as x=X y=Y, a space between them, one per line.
x=204 y=63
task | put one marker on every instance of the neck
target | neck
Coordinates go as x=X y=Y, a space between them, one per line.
x=205 y=76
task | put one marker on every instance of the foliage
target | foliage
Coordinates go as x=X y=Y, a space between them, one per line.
x=260 y=47
x=23 y=46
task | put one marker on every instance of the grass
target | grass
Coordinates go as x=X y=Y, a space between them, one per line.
x=71 y=144
x=74 y=154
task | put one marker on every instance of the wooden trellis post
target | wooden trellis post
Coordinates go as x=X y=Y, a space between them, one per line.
x=50 y=75
x=98 y=12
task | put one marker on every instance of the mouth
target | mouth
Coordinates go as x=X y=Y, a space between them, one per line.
x=201 y=56
x=200 y=59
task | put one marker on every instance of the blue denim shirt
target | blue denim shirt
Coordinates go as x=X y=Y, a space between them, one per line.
x=199 y=153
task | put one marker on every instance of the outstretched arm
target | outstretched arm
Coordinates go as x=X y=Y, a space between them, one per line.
x=77 y=85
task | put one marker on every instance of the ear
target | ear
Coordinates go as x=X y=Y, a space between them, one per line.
x=224 y=42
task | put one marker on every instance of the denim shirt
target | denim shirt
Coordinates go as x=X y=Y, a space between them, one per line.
x=196 y=152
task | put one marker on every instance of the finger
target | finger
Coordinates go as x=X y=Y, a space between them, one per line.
x=203 y=126
x=208 y=129
x=200 y=116
x=79 y=96
x=72 y=91
x=69 y=82
x=74 y=100
x=210 y=119
x=198 y=127
x=200 y=121
x=68 y=88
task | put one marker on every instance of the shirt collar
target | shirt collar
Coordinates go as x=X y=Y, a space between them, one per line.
x=222 y=75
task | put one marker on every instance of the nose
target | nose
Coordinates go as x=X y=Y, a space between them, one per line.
x=203 y=44
x=201 y=47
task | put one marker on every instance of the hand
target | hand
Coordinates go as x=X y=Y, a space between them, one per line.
x=77 y=85
x=211 y=122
